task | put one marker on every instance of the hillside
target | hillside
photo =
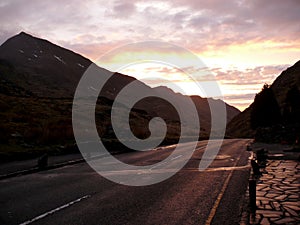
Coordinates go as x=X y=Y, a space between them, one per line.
x=240 y=125
x=38 y=80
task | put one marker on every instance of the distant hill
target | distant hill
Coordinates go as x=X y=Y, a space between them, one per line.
x=38 y=80
x=240 y=125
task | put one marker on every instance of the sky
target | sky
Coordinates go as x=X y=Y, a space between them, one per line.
x=242 y=44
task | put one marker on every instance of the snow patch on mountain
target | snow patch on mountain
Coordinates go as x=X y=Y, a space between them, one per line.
x=80 y=65
x=59 y=59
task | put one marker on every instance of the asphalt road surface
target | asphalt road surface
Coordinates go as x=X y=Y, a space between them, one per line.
x=76 y=194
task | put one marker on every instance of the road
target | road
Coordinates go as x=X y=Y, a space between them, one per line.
x=76 y=194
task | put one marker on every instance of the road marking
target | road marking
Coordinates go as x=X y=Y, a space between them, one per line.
x=199 y=148
x=54 y=210
x=163 y=163
x=159 y=164
x=220 y=196
x=227 y=168
x=176 y=157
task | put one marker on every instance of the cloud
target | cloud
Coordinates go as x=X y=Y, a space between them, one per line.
x=240 y=97
x=250 y=76
x=197 y=25
x=44 y=18
x=217 y=24
x=123 y=9
x=236 y=32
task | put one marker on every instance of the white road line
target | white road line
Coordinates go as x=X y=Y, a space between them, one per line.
x=163 y=163
x=176 y=157
x=199 y=148
x=54 y=210
x=160 y=164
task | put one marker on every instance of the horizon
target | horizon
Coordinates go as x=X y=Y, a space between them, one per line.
x=241 y=43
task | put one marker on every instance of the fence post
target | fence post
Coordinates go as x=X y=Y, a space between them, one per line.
x=252 y=194
x=43 y=161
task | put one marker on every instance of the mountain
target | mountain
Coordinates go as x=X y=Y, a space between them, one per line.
x=285 y=81
x=44 y=69
x=38 y=80
x=240 y=125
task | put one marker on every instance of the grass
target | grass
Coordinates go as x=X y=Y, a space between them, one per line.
x=32 y=126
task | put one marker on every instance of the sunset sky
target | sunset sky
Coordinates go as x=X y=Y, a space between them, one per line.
x=244 y=44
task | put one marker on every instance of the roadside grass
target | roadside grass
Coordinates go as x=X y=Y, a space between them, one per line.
x=32 y=126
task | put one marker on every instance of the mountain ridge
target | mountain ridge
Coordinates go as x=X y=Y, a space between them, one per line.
x=57 y=64
x=35 y=72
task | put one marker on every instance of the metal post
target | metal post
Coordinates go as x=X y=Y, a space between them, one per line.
x=252 y=194
x=43 y=161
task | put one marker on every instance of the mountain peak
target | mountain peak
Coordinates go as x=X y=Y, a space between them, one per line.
x=37 y=62
x=24 y=33
x=19 y=40
x=21 y=36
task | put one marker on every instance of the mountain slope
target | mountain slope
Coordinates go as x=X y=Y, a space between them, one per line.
x=283 y=83
x=43 y=69
x=240 y=125
x=36 y=75
x=40 y=67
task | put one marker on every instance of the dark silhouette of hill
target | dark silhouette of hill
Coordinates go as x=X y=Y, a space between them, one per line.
x=38 y=80
x=265 y=110
x=240 y=126
x=44 y=69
